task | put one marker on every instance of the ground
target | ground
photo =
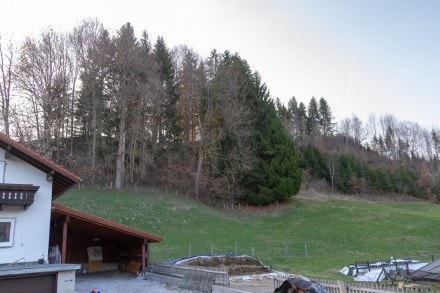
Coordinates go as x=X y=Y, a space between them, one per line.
x=116 y=282
x=263 y=283
x=246 y=273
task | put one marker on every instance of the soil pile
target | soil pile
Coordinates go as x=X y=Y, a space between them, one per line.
x=236 y=264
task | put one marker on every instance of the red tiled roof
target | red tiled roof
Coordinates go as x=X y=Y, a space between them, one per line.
x=60 y=209
x=62 y=178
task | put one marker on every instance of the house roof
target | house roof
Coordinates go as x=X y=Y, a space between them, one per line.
x=62 y=178
x=429 y=272
x=108 y=229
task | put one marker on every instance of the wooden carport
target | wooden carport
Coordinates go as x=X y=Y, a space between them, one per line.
x=73 y=231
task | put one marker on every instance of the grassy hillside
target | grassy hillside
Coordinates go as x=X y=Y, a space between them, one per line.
x=309 y=237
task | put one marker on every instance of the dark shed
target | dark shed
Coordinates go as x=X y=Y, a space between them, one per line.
x=73 y=231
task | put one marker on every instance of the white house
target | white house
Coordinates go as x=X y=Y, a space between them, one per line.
x=30 y=223
x=28 y=184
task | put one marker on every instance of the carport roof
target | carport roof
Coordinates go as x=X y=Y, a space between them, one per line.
x=113 y=230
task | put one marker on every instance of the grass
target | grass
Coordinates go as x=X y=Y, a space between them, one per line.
x=313 y=238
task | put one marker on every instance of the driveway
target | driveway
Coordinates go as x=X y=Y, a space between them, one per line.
x=116 y=282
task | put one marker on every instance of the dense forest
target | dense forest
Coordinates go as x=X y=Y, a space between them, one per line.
x=121 y=111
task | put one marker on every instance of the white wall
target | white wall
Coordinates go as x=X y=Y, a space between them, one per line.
x=66 y=282
x=31 y=235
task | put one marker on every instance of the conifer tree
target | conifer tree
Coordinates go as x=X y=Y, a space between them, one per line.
x=301 y=118
x=313 y=118
x=276 y=175
x=166 y=116
x=326 y=118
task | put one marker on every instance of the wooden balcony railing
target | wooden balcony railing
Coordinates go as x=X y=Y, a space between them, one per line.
x=17 y=195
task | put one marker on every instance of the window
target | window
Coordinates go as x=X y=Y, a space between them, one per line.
x=6 y=232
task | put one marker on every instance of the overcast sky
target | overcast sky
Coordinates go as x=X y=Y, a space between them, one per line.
x=362 y=56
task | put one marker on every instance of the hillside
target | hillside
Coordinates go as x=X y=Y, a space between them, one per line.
x=313 y=236
x=207 y=126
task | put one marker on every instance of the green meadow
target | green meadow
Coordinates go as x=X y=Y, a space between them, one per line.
x=308 y=237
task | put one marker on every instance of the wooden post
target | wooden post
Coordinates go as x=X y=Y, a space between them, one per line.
x=342 y=287
x=145 y=255
x=64 y=244
x=143 y=268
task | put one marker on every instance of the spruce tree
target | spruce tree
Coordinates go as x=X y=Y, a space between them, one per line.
x=168 y=128
x=326 y=118
x=276 y=175
x=313 y=118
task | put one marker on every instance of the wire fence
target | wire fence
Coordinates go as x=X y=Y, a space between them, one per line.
x=288 y=251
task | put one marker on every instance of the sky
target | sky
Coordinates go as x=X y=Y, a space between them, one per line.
x=363 y=56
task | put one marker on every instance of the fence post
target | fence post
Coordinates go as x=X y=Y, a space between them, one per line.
x=342 y=287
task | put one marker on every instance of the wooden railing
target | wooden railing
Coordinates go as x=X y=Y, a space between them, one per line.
x=17 y=195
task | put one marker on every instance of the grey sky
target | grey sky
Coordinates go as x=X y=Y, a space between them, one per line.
x=363 y=56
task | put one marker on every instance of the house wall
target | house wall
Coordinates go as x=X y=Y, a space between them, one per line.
x=66 y=282
x=31 y=231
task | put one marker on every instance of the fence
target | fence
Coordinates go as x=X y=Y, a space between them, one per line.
x=343 y=287
x=203 y=279
x=193 y=277
x=268 y=252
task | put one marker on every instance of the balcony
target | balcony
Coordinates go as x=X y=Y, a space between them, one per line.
x=17 y=195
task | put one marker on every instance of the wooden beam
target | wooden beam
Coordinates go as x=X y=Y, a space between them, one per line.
x=8 y=151
x=64 y=244
x=144 y=268
x=146 y=255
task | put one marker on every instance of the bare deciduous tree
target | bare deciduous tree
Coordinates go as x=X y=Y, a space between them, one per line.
x=42 y=77
x=6 y=67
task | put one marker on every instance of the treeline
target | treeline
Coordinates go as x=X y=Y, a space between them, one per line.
x=122 y=111
x=381 y=156
x=119 y=110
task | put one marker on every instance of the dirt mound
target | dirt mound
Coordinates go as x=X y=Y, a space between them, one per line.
x=236 y=264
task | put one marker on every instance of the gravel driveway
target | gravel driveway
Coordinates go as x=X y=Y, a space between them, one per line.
x=117 y=282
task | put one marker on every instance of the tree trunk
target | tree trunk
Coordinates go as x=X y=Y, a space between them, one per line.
x=199 y=171
x=120 y=156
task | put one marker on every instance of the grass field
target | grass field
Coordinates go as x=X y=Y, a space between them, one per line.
x=309 y=237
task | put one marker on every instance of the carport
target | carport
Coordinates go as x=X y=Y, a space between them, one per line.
x=72 y=232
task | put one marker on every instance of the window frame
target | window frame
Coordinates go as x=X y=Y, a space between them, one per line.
x=9 y=243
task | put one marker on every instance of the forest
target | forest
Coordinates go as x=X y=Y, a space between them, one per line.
x=125 y=111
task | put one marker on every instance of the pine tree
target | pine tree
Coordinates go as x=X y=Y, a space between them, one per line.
x=326 y=118
x=313 y=119
x=301 y=121
x=292 y=107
